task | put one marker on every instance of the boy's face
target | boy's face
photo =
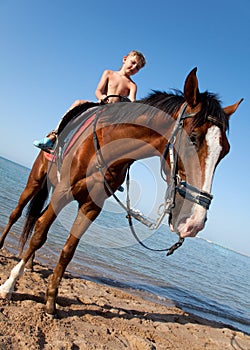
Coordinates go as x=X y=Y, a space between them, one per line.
x=131 y=64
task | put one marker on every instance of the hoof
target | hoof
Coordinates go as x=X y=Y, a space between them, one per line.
x=52 y=316
x=28 y=269
x=5 y=294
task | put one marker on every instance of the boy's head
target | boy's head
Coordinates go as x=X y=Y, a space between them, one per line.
x=139 y=56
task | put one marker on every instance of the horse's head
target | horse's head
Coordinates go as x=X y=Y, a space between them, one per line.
x=200 y=146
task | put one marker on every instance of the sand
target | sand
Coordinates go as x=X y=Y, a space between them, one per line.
x=94 y=316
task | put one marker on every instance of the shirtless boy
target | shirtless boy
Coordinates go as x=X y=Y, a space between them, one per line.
x=116 y=83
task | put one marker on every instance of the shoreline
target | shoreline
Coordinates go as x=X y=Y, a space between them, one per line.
x=96 y=316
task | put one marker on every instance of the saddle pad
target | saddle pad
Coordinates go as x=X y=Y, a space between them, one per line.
x=71 y=133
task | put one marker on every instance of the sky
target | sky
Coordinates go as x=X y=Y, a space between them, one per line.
x=54 y=52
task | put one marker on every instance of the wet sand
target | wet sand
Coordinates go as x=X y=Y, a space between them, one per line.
x=93 y=316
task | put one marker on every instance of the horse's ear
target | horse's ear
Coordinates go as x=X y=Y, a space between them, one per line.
x=231 y=109
x=191 y=89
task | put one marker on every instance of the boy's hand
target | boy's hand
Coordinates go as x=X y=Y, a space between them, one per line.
x=105 y=99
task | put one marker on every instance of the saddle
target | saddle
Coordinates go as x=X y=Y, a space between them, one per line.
x=74 y=123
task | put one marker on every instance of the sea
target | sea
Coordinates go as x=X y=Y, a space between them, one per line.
x=201 y=277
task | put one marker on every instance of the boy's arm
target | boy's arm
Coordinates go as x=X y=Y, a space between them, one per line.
x=132 y=92
x=101 y=90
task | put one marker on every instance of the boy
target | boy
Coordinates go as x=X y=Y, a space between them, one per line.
x=116 y=83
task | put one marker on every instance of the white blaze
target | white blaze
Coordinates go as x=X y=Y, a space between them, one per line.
x=214 y=149
x=196 y=222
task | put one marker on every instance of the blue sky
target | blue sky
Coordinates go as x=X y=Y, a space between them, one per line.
x=53 y=52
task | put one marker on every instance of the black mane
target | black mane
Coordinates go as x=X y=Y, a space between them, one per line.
x=169 y=103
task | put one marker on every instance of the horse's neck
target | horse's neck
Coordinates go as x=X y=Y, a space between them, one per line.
x=159 y=129
x=142 y=139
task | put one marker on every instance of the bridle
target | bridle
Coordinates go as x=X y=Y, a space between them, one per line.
x=186 y=190
x=175 y=183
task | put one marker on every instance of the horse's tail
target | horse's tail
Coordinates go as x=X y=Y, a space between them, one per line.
x=34 y=211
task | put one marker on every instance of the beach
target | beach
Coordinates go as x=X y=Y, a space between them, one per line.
x=95 y=316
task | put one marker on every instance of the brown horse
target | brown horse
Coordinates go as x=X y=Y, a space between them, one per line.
x=187 y=130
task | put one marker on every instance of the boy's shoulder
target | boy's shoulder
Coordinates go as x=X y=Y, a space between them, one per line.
x=132 y=81
x=114 y=74
x=108 y=72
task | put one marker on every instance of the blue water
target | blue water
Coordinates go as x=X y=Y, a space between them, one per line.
x=201 y=277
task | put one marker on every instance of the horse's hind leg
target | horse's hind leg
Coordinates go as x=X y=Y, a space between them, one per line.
x=25 y=197
x=36 y=178
x=37 y=240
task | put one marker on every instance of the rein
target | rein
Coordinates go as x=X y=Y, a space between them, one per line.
x=121 y=98
x=175 y=184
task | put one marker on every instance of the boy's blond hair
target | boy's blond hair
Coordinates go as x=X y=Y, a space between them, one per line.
x=139 y=55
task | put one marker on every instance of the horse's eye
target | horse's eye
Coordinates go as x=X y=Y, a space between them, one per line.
x=193 y=139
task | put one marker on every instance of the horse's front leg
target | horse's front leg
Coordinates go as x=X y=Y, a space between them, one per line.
x=83 y=220
x=65 y=258
x=38 y=239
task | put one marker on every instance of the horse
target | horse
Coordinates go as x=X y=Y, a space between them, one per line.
x=187 y=130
